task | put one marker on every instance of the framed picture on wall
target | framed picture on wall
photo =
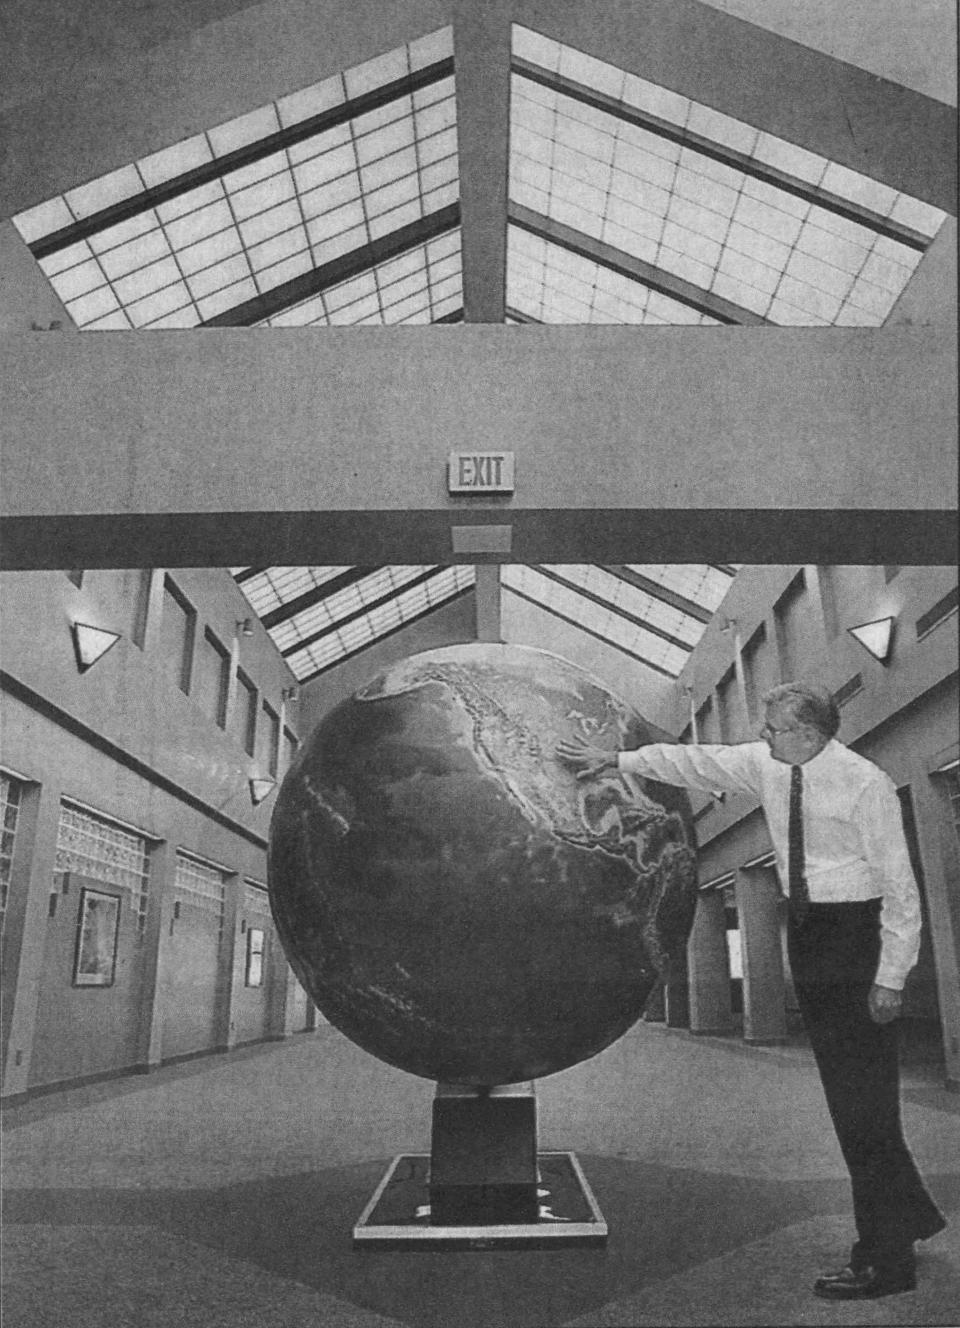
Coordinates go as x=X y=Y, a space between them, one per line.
x=254 y=957
x=97 y=930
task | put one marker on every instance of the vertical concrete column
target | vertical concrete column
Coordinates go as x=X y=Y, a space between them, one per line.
x=764 y=1003
x=677 y=996
x=655 y=1010
x=937 y=842
x=487 y=593
x=154 y=623
x=708 y=967
x=481 y=52
x=281 y=991
x=150 y=1031
x=25 y=942
x=741 y=681
x=229 y=717
x=231 y=961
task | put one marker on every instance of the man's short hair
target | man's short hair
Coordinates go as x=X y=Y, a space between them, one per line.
x=809 y=703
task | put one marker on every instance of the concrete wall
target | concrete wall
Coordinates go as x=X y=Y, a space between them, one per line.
x=362 y=420
x=122 y=740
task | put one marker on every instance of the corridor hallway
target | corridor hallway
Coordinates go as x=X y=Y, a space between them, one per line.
x=223 y=1191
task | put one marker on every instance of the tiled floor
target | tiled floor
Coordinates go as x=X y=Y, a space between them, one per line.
x=224 y=1192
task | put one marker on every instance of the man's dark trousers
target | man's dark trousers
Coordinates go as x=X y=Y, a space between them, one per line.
x=833 y=957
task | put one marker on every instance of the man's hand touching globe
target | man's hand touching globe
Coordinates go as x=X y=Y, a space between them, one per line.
x=589 y=762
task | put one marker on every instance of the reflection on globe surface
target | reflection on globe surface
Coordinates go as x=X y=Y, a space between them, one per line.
x=450 y=895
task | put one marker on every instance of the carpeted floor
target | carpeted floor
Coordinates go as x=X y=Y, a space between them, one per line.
x=224 y=1192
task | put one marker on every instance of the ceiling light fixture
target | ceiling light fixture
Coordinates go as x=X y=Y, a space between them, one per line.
x=91 y=643
x=260 y=789
x=876 y=637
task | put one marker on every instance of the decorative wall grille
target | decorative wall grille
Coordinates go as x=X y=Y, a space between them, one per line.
x=256 y=900
x=104 y=851
x=202 y=885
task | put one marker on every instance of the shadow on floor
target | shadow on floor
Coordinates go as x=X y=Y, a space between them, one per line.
x=662 y=1220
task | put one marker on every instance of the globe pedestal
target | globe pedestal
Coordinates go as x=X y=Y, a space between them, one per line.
x=483 y=1156
x=483 y=1185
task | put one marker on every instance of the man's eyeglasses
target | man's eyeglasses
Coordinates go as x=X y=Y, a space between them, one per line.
x=775 y=733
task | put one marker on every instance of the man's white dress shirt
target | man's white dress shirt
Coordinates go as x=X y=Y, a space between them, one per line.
x=854 y=845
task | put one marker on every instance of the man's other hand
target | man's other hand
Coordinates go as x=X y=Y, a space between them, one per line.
x=884 y=1004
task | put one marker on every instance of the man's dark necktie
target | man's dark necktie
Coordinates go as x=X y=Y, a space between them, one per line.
x=796 y=881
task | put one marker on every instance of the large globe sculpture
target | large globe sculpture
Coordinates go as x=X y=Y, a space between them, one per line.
x=452 y=897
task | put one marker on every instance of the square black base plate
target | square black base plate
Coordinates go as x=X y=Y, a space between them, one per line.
x=398 y=1214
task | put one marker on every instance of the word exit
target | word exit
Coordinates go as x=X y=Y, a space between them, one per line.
x=480 y=472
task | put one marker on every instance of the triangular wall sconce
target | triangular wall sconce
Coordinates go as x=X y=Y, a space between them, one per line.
x=875 y=637
x=260 y=789
x=91 y=643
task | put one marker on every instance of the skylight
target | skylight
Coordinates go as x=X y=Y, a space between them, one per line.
x=550 y=284
x=689 y=203
x=628 y=614
x=423 y=285
x=274 y=208
x=352 y=616
x=700 y=583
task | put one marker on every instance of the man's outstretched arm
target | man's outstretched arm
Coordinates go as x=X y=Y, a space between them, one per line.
x=690 y=765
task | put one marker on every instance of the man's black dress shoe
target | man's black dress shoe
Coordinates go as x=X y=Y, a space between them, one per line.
x=865 y=1283
x=932 y=1227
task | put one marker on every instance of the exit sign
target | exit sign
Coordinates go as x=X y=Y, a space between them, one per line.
x=480 y=472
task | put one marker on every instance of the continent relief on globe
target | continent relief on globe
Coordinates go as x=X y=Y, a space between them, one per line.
x=452 y=897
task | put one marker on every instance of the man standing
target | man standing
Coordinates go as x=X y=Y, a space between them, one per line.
x=853 y=935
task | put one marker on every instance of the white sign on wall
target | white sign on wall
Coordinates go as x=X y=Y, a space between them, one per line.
x=480 y=472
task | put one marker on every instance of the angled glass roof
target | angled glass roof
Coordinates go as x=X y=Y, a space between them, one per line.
x=680 y=199
x=423 y=285
x=699 y=583
x=654 y=614
x=356 y=174
x=548 y=283
x=323 y=629
x=319 y=616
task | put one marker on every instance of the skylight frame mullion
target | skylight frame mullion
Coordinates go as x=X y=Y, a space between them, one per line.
x=662 y=593
x=634 y=269
x=315 y=594
x=361 y=612
x=727 y=156
x=283 y=138
x=340 y=269
x=518 y=317
x=610 y=606
x=590 y=631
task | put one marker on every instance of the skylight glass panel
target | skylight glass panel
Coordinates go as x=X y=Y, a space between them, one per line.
x=551 y=284
x=422 y=285
x=342 y=604
x=575 y=608
x=699 y=582
x=766 y=230
x=631 y=599
x=379 y=621
x=265 y=200
x=276 y=586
